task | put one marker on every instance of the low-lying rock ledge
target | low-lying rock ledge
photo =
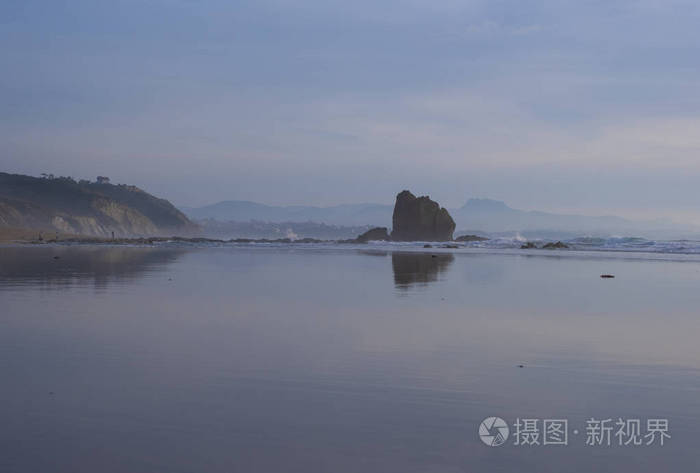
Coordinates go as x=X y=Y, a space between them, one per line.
x=530 y=245
x=555 y=246
x=374 y=234
x=465 y=238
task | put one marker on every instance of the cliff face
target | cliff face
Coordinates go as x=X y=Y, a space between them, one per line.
x=87 y=208
x=420 y=219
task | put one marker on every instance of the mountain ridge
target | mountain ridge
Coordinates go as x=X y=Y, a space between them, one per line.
x=244 y=210
x=477 y=214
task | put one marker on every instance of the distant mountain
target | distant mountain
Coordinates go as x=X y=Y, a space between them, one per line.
x=86 y=208
x=244 y=211
x=481 y=216
x=494 y=216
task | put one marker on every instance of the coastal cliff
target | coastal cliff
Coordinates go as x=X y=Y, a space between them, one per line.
x=86 y=208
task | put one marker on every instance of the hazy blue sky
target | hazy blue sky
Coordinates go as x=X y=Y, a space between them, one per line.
x=561 y=105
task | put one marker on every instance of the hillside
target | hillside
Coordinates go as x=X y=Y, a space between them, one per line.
x=86 y=208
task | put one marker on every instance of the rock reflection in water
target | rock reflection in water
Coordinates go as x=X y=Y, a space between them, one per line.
x=411 y=269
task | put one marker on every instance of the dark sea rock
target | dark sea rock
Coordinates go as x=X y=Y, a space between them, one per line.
x=528 y=246
x=374 y=234
x=420 y=219
x=554 y=246
x=470 y=238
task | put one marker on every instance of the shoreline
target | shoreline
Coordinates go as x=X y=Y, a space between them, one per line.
x=152 y=240
x=372 y=247
x=28 y=237
x=688 y=250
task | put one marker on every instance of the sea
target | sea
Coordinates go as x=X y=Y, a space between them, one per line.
x=323 y=357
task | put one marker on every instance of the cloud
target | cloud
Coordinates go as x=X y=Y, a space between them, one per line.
x=323 y=102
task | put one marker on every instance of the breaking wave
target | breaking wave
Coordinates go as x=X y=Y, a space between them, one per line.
x=603 y=244
x=587 y=243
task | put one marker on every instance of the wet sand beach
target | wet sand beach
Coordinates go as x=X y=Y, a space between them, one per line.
x=293 y=358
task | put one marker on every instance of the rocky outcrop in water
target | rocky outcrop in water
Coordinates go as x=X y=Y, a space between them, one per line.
x=420 y=219
x=547 y=246
x=374 y=234
x=555 y=246
x=470 y=238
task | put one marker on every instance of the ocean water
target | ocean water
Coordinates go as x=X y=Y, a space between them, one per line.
x=342 y=358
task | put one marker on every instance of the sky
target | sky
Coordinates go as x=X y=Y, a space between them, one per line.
x=590 y=107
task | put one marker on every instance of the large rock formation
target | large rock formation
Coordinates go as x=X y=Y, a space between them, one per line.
x=420 y=219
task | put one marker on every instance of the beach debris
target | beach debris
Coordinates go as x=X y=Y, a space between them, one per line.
x=607 y=276
x=521 y=366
